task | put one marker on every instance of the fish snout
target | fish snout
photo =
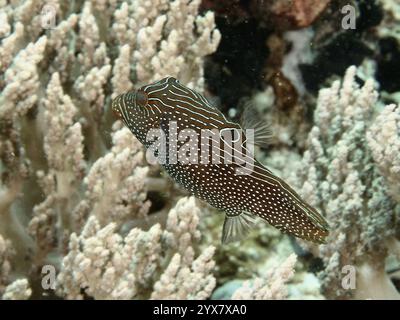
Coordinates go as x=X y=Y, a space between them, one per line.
x=116 y=106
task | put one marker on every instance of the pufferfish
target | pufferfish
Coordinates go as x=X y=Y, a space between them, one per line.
x=242 y=196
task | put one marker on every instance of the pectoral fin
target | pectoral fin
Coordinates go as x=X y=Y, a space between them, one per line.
x=251 y=119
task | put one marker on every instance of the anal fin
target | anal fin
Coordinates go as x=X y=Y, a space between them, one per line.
x=236 y=227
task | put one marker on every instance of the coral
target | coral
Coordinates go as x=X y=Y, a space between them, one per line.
x=22 y=80
x=271 y=286
x=390 y=27
x=18 y=290
x=108 y=266
x=186 y=32
x=180 y=281
x=64 y=163
x=115 y=183
x=339 y=177
x=386 y=127
x=77 y=193
x=5 y=266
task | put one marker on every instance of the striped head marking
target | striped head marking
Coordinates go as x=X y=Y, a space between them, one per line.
x=149 y=101
x=128 y=104
x=134 y=110
x=166 y=100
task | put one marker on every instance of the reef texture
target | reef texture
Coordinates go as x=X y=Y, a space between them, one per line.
x=110 y=266
x=63 y=178
x=77 y=194
x=350 y=172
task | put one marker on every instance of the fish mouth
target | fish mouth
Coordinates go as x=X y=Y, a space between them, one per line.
x=119 y=107
x=116 y=107
x=124 y=104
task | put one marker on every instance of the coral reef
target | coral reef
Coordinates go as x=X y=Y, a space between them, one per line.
x=17 y=290
x=271 y=286
x=108 y=266
x=78 y=195
x=386 y=127
x=62 y=175
x=351 y=181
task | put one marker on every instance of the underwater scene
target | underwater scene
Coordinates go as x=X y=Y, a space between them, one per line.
x=199 y=149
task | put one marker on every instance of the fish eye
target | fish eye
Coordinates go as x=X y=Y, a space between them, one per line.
x=141 y=98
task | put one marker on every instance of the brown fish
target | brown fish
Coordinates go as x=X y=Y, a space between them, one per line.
x=171 y=108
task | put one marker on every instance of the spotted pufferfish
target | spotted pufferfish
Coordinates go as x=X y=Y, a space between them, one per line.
x=242 y=197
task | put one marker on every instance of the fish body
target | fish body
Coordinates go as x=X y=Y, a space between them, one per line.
x=169 y=106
